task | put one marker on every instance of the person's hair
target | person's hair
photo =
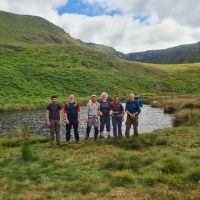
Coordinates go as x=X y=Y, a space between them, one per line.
x=116 y=97
x=52 y=97
x=71 y=96
x=104 y=94
x=131 y=94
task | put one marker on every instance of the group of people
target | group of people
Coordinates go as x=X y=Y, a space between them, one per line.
x=99 y=114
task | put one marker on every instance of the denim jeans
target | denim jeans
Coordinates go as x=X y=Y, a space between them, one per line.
x=105 y=120
x=117 y=126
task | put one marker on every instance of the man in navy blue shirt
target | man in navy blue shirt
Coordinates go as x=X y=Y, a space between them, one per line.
x=72 y=116
x=132 y=109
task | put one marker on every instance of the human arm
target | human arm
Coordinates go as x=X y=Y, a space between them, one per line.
x=65 y=114
x=79 y=113
x=47 y=118
x=60 y=114
x=127 y=111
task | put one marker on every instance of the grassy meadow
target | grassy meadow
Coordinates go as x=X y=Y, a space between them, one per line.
x=161 y=165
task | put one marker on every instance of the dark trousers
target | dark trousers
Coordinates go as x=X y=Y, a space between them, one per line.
x=96 y=132
x=129 y=122
x=117 y=126
x=68 y=131
x=105 y=120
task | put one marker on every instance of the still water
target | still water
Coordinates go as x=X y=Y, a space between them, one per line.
x=150 y=119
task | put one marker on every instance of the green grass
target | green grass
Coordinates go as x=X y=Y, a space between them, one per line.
x=102 y=171
x=35 y=66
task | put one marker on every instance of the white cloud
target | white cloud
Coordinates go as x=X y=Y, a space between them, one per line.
x=169 y=23
x=128 y=35
x=183 y=11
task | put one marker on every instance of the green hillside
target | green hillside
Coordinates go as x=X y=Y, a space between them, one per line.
x=181 y=54
x=38 y=59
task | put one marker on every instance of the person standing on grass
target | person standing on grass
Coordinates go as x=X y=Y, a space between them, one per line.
x=72 y=115
x=117 y=113
x=93 y=108
x=54 y=120
x=104 y=115
x=132 y=109
x=140 y=101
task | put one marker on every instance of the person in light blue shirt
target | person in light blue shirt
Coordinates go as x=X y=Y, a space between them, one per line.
x=132 y=109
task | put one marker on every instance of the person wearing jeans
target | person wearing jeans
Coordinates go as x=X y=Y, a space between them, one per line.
x=133 y=110
x=104 y=114
x=72 y=116
x=117 y=113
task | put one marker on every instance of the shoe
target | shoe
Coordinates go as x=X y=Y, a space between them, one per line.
x=108 y=136
x=77 y=141
x=66 y=142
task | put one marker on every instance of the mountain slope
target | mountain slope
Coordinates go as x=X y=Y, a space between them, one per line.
x=110 y=51
x=28 y=29
x=175 y=55
x=181 y=54
x=33 y=67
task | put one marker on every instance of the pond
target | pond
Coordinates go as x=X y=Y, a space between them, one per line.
x=150 y=119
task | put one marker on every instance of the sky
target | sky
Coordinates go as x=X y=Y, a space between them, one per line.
x=126 y=25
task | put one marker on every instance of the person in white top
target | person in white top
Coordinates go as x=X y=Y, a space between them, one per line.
x=93 y=108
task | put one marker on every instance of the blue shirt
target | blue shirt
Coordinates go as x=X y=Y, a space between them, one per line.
x=133 y=107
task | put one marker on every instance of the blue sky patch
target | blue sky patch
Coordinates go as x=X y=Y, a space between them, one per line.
x=143 y=19
x=81 y=8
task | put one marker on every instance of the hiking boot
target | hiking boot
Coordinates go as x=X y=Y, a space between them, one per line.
x=66 y=142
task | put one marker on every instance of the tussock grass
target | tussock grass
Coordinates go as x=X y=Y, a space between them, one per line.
x=26 y=153
x=194 y=176
x=143 y=141
x=171 y=165
x=122 y=178
x=187 y=117
x=174 y=102
x=104 y=170
x=16 y=139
